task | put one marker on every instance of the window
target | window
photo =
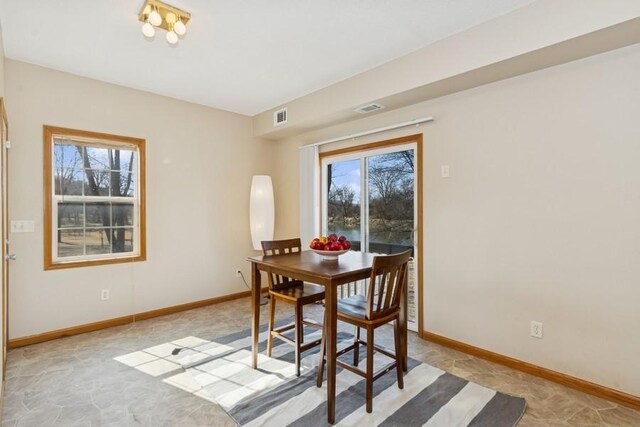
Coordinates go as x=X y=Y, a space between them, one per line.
x=94 y=198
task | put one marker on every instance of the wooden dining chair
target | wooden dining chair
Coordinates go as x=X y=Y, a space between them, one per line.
x=294 y=292
x=380 y=306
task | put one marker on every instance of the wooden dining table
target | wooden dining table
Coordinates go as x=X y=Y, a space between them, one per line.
x=311 y=267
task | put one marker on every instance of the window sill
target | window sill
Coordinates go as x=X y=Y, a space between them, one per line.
x=49 y=265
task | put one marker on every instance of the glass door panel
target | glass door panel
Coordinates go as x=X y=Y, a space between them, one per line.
x=343 y=201
x=391 y=208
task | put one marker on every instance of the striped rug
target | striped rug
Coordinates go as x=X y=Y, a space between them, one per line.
x=273 y=396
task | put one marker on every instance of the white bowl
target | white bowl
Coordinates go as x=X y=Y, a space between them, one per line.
x=330 y=255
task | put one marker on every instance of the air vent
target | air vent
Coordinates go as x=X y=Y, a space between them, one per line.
x=280 y=117
x=368 y=108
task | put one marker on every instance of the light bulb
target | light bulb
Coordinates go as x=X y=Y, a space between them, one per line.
x=155 y=18
x=148 y=30
x=172 y=37
x=180 y=28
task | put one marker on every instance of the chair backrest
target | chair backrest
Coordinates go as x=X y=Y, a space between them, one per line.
x=388 y=277
x=281 y=247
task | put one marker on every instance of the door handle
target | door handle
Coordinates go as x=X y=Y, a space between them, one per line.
x=10 y=257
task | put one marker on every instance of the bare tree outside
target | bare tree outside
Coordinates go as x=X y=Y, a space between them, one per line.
x=391 y=198
x=341 y=203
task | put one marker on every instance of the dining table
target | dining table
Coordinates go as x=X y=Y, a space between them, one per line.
x=311 y=267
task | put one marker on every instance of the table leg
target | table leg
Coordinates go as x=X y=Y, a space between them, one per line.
x=331 y=308
x=255 y=312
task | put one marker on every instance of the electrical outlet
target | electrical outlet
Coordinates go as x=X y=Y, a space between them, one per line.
x=104 y=294
x=238 y=273
x=536 y=329
x=444 y=171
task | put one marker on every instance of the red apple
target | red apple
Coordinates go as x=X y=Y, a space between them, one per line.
x=335 y=246
x=333 y=237
x=346 y=244
x=313 y=243
x=341 y=239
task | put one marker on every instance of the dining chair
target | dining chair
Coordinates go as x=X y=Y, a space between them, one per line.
x=378 y=307
x=294 y=292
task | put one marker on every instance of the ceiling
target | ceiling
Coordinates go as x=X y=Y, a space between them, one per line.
x=242 y=56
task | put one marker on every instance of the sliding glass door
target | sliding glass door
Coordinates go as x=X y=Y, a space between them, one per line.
x=369 y=196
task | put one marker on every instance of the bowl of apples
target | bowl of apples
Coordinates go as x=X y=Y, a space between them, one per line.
x=331 y=246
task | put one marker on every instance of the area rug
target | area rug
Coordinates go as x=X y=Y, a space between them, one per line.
x=273 y=396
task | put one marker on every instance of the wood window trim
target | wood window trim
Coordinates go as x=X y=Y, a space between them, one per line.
x=48 y=133
x=417 y=139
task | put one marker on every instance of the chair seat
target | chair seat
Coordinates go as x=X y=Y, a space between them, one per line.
x=304 y=293
x=354 y=306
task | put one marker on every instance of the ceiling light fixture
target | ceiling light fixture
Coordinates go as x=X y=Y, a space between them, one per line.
x=154 y=17
x=180 y=28
x=156 y=14
x=148 y=30
x=172 y=37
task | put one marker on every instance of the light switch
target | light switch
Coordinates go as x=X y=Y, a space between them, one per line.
x=444 y=171
x=22 y=226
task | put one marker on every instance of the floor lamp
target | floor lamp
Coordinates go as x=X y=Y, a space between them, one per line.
x=261 y=210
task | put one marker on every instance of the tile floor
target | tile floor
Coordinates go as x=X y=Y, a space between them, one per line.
x=75 y=381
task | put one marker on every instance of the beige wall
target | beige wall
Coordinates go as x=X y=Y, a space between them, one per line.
x=1 y=64
x=1 y=263
x=539 y=219
x=199 y=167
x=459 y=61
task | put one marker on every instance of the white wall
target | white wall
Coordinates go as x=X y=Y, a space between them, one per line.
x=199 y=167
x=539 y=219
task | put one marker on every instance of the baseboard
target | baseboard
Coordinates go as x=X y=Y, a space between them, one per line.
x=103 y=324
x=189 y=306
x=566 y=380
x=67 y=332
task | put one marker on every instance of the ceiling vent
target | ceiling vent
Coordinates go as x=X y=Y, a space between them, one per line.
x=368 y=108
x=280 y=117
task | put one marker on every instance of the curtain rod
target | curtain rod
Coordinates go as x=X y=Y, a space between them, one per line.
x=414 y=122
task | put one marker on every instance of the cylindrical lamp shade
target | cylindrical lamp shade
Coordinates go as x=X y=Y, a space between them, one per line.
x=261 y=210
